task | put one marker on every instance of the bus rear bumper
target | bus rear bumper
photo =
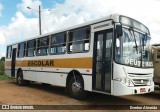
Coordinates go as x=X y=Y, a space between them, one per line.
x=121 y=89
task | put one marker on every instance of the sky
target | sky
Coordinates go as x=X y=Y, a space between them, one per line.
x=18 y=23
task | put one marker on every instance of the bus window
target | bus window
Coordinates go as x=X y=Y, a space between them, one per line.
x=42 y=47
x=9 y=50
x=79 y=40
x=158 y=54
x=58 y=44
x=21 y=50
x=31 y=47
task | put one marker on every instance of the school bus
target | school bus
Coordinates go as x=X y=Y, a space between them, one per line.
x=110 y=55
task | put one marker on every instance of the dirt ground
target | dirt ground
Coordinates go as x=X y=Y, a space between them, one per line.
x=36 y=94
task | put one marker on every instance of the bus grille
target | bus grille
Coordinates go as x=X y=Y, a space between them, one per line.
x=140 y=82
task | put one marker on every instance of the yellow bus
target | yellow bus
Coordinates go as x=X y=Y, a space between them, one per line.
x=110 y=55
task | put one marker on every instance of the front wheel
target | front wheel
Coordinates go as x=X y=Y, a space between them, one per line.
x=20 y=81
x=76 y=88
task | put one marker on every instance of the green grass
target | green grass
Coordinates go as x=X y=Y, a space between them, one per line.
x=5 y=77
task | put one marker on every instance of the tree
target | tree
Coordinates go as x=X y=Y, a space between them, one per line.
x=3 y=59
x=1 y=67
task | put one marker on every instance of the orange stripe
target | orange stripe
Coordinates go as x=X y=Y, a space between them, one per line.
x=55 y=63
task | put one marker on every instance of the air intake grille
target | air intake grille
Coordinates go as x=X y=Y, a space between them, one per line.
x=141 y=82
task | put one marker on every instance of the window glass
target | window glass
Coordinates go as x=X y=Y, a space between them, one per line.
x=31 y=47
x=42 y=47
x=21 y=49
x=158 y=54
x=79 y=40
x=58 y=44
x=9 y=50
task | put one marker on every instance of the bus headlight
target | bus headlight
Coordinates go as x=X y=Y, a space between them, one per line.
x=126 y=81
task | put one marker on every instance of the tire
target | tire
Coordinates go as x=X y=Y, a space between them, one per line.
x=20 y=81
x=76 y=88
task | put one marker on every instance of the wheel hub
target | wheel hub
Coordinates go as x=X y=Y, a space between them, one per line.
x=19 y=79
x=76 y=87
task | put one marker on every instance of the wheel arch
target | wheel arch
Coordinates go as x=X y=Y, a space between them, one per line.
x=70 y=75
x=18 y=70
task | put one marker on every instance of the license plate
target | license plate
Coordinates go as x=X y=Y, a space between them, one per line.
x=142 y=90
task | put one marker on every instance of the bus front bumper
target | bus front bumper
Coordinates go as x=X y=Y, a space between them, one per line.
x=121 y=89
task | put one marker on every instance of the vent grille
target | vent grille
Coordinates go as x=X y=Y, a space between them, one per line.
x=140 y=82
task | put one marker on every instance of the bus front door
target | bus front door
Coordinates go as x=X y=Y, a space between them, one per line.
x=13 y=64
x=102 y=61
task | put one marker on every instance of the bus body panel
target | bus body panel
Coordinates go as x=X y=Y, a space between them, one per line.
x=121 y=89
x=142 y=78
x=156 y=63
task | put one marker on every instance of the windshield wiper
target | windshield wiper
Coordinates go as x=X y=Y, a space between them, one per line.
x=133 y=35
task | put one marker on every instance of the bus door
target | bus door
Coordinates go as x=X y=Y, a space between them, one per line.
x=13 y=63
x=102 y=60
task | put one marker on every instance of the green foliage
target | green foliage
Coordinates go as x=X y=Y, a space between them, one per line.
x=2 y=72
x=2 y=67
x=3 y=59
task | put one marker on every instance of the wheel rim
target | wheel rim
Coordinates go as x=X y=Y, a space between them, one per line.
x=76 y=87
x=19 y=79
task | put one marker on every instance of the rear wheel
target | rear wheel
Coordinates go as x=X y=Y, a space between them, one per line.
x=76 y=88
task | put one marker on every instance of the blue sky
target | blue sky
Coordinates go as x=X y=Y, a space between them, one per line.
x=10 y=8
x=18 y=23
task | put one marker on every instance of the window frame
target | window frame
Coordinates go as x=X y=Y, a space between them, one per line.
x=34 y=47
x=38 y=46
x=68 y=41
x=10 y=53
x=65 y=43
x=19 y=50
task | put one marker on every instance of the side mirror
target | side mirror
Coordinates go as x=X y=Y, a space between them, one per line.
x=119 y=30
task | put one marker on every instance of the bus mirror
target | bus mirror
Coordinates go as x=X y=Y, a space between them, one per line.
x=119 y=30
x=117 y=42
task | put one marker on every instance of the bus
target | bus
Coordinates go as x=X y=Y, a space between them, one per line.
x=156 y=63
x=110 y=55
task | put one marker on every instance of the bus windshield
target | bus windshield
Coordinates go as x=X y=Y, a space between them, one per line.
x=133 y=49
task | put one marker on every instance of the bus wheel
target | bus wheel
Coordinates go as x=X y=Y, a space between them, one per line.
x=19 y=79
x=76 y=88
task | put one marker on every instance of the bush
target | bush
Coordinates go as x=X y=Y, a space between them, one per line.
x=2 y=67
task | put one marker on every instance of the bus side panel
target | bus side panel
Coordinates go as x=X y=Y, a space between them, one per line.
x=29 y=75
x=8 y=72
x=8 y=67
x=156 y=63
x=58 y=79
x=87 y=82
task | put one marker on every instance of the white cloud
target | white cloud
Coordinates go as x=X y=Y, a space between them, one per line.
x=73 y=12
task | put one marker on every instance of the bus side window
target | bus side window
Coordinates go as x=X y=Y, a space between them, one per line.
x=21 y=50
x=31 y=47
x=58 y=44
x=158 y=54
x=79 y=40
x=9 y=51
x=42 y=46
